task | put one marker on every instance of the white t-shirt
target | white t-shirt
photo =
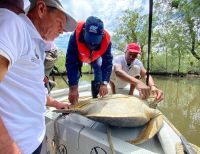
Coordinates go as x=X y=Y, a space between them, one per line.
x=50 y=45
x=132 y=70
x=22 y=92
x=122 y=61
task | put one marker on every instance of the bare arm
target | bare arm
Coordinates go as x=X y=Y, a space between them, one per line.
x=57 y=104
x=7 y=145
x=3 y=67
x=125 y=76
x=158 y=94
x=144 y=90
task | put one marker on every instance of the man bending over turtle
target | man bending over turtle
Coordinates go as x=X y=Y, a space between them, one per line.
x=128 y=69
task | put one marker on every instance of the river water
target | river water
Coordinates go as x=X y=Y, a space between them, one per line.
x=181 y=104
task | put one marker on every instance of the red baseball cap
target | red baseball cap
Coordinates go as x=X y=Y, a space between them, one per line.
x=133 y=47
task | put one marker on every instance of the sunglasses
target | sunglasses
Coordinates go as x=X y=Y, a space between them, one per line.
x=132 y=55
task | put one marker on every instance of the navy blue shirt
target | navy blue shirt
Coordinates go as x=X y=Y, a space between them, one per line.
x=73 y=64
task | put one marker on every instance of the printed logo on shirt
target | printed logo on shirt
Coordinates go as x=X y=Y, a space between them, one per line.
x=93 y=29
x=36 y=59
x=37 y=56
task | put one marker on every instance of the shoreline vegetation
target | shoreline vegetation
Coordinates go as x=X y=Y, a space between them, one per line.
x=87 y=70
x=152 y=73
x=161 y=71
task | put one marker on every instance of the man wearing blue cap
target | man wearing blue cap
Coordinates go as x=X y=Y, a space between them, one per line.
x=90 y=43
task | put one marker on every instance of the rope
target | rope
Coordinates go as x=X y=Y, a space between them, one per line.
x=55 y=68
x=110 y=140
x=56 y=136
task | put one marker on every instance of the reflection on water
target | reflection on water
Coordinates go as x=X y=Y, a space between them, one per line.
x=181 y=104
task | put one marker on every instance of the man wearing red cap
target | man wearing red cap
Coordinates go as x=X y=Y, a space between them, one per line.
x=128 y=69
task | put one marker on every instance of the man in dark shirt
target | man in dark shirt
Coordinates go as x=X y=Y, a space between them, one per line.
x=90 y=43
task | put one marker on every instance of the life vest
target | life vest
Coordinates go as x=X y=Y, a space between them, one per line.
x=84 y=51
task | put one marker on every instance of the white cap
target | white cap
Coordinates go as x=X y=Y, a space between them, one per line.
x=71 y=22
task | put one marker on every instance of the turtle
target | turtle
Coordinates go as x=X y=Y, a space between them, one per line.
x=121 y=111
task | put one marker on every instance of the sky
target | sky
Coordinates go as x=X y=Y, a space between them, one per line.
x=107 y=10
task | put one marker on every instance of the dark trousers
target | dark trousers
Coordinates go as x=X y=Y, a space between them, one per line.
x=38 y=150
x=96 y=65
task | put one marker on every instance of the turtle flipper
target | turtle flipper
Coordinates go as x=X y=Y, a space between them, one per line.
x=80 y=108
x=151 y=128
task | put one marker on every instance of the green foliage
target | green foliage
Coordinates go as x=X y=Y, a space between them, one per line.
x=190 y=17
x=126 y=32
x=86 y=68
x=175 y=3
x=60 y=63
x=195 y=8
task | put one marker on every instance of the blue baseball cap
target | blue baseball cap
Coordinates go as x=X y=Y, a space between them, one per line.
x=94 y=30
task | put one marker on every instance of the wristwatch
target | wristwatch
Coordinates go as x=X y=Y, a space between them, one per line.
x=104 y=82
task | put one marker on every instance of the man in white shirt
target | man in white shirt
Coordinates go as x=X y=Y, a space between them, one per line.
x=127 y=69
x=22 y=93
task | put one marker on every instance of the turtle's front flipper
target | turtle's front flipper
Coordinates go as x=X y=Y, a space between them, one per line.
x=80 y=108
x=151 y=128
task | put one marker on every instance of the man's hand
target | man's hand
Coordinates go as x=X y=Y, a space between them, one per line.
x=73 y=94
x=157 y=93
x=60 y=105
x=103 y=90
x=143 y=89
x=57 y=104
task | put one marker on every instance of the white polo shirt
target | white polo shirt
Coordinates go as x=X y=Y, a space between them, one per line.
x=122 y=61
x=22 y=93
x=133 y=69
